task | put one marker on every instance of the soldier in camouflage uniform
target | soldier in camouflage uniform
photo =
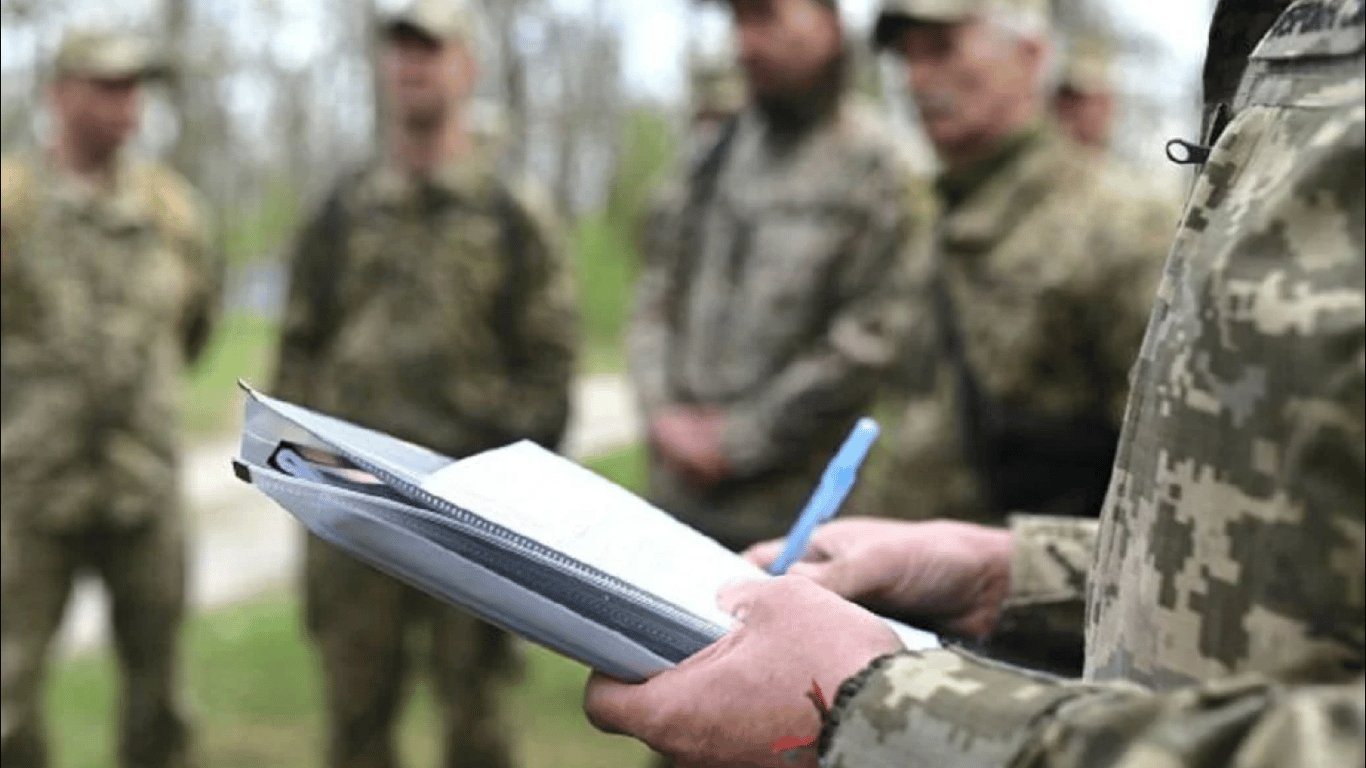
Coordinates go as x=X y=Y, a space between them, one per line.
x=430 y=301
x=1084 y=103
x=110 y=289
x=1049 y=264
x=776 y=286
x=1226 y=621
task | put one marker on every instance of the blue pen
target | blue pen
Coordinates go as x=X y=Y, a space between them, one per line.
x=834 y=486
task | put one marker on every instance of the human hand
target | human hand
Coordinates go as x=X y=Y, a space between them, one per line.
x=955 y=572
x=742 y=700
x=689 y=439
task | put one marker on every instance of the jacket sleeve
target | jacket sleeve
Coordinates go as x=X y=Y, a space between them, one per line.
x=647 y=338
x=1115 y=291
x=950 y=709
x=305 y=332
x=184 y=215
x=1043 y=617
x=536 y=399
x=845 y=366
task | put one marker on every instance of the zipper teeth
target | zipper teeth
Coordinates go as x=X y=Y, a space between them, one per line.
x=499 y=534
x=670 y=641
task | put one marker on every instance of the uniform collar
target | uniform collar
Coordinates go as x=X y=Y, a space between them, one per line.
x=956 y=186
x=985 y=201
x=121 y=203
x=456 y=178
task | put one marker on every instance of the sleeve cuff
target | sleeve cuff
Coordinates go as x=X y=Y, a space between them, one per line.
x=944 y=707
x=1050 y=558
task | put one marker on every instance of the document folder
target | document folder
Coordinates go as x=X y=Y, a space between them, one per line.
x=519 y=536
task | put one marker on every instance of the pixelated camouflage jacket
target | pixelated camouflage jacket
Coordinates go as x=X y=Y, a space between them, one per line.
x=107 y=295
x=409 y=337
x=1052 y=264
x=781 y=299
x=1225 y=605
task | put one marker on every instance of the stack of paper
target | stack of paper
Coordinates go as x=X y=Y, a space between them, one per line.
x=520 y=536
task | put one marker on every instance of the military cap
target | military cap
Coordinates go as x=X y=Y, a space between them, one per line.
x=1089 y=65
x=894 y=13
x=442 y=20
x=104 y=53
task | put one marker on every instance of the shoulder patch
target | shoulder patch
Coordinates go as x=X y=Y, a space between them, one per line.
x=1311 y=28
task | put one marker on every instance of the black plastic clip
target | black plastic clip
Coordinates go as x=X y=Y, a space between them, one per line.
x=1183 y=152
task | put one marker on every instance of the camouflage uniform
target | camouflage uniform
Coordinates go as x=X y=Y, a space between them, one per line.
x=1052 y=267
x=780 y=298
x=107 y=294
x=435 y=333
x=717 y=94
x=1225 y=611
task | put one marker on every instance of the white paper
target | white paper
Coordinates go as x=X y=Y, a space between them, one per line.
x=573 y=510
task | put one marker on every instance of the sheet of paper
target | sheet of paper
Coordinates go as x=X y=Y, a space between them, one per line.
x=575 y=511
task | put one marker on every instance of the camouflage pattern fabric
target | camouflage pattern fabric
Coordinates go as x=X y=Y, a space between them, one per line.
x=785 y=311
x=1225 y=606
x=1052 y=265
x=415 y=348
x=107 y=294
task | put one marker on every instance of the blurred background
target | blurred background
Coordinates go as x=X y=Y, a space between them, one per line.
x=591 y=100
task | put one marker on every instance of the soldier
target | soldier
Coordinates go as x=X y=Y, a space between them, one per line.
x=1048 y=267
x=110 y=290
x=1226 y=620
x=1084 y=103
x=775 y=291
x=430 y=302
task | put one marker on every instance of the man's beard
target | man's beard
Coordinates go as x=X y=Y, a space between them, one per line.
x=423 y=118
x=795 y=108
x=99 y=147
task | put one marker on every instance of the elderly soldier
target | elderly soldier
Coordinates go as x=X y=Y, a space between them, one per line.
x=1048 y=269
x=1226 y=620
x=775 y=289
x=430 y=302
x=1084 y=103
x=109 y=290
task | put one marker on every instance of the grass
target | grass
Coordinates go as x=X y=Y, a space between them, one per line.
x=606 y=262
x=255 y=693
x=243 y=348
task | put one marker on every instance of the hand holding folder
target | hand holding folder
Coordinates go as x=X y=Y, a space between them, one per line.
x=519 y=536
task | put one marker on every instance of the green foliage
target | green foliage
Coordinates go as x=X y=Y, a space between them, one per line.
x=648 y=151
x=262 y=229
x=606 y=244
x=606 y=261
x=243 y=348
x=626 y=467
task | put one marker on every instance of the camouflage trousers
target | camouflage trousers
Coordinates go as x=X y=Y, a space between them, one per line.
x=143 y=568
x=361 y=623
